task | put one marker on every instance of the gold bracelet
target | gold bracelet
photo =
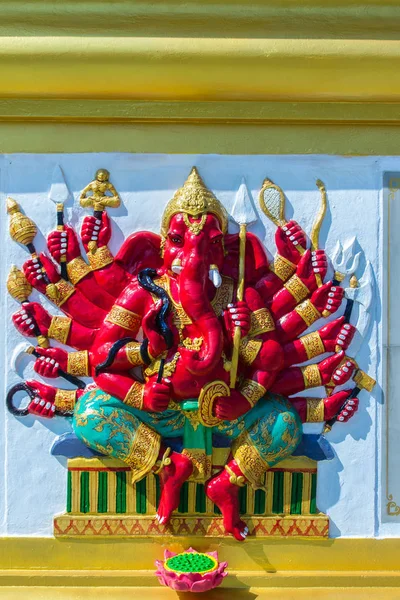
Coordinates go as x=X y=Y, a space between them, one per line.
x=261 y=321
x=124 y=318
x=249 y=349
x=64 y=291
x=133 y=353
x=101 y=258
x=65 y=400
x=59 y=329
x=78 y=363
x=134 y=396
x=282 y=267
x=312 y=376
x=238 y=480
x=164 y=462
x=252 y=391
x=315 y=410
x=313 y=344
x=296 y=288
x=77 y=269
x=307 y=311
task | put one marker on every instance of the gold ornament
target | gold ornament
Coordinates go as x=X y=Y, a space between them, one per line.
x=315 y=410
x=208 y=394
x=59 y=329
x=63 y=290
x=124 y=318
x=100 y=258
x=313 y=344
x=144 y=452
x=307 y=311
x=261 y=321
x=249 y=350
x=164 y=462
x=234 y=479
x=296 y=288
x=282 y=267
x=77 y=269
x=311 y=376
x=133 y=353
x=22 y=228
x=194 y=199
x=78 y=363
x=18 y=285
x=252 y=391
x=134 y=396
x=65 y=400
x=249 y=459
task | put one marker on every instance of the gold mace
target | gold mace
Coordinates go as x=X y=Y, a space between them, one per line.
x=23 y=230
x=20 y=289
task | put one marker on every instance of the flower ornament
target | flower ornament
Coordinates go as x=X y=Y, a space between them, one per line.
x=191 y=571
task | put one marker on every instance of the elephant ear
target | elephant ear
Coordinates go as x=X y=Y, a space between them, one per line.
x=257 y=262
x=139 y=251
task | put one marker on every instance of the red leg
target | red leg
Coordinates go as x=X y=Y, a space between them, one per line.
x=172 y=477
x=225 y=495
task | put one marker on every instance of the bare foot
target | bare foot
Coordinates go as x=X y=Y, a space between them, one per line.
x=172 y=477
x=226 y=496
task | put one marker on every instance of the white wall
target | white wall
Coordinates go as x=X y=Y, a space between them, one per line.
x=33 y=489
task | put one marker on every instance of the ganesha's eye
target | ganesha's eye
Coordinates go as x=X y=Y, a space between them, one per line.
x=216 y=240
x=175 y=239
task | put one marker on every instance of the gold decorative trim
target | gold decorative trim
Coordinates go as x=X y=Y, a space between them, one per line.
x=134 y=396
x=261 y=322
x=65 y=400
x=238 y=480
x=100 y=258
x=252 y=391
x=124 y=318
x=312 y=376
x=249 y=460
x=307 y=311
x=282 y=267
x=296 y=288
x=77 y=269
x=202 y=464
x=144 y=452
x=164 y=462
x=315 y=410
x=59 y=329
x=208 y=394
x=78 y=363
x=169 y=367
x=249 y=349
x=133 y=353
x=313 y=344
x=195 y=227
x=64 y=291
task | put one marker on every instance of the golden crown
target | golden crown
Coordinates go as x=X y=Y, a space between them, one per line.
x=194 y=199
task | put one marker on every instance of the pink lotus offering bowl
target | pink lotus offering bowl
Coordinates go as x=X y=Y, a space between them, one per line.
x=191 y=571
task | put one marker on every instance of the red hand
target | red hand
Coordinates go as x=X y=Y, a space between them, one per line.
x=43 y=403
x=30 y=313
x=288 y=239
x=63 y=242
x=335 y=333
x=327 y=297
x=334 y=404
x=329 y=369
x=157 y=343
x=229 y=408
x=156 y=396
x=310 y=264
x=50 y=361
x=34 y=274
x=96 y=230
x=238 y=314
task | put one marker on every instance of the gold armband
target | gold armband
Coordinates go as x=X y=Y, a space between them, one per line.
x=64 y=291
x=77 y=269
x=282 y=267
x=315 y=410
x=135 y=395
x=307 y=311
x=65 y=400
x=296 y=288
x=252 y=391
x=249 y=349
x=78 y=363
x=261 y=321
x=313 y=345
x=59 y=329
x=133 y=353
x=312 y=376
x=123 y=318
x=101 y=258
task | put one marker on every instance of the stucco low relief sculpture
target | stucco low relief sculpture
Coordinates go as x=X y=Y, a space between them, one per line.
x=195 y=343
